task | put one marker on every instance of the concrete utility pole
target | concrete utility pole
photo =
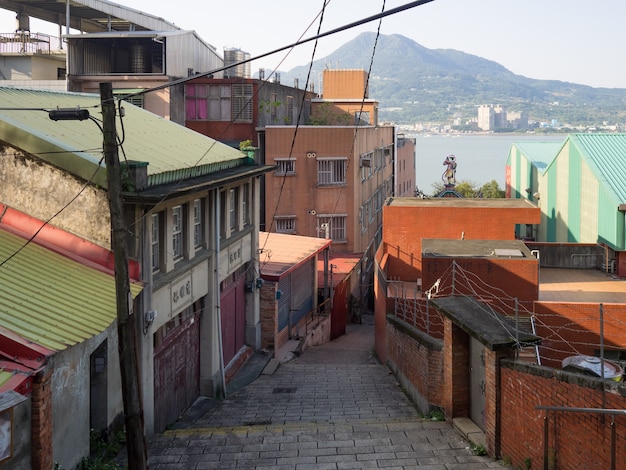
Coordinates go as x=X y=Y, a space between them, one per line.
x=131 y=392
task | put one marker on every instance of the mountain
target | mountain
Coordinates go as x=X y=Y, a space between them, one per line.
x=415 y=84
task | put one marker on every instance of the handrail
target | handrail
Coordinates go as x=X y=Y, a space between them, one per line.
x=578 y=410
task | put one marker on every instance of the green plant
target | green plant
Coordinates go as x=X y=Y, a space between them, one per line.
x=527 y=463
x=103 y=451
x=437 y=415
x=245 y=144
x=478 y=449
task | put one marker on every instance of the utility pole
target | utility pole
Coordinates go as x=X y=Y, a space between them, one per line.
x=126 y=331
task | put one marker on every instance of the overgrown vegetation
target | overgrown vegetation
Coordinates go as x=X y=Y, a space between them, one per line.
x=102 y=452
x=478 y=449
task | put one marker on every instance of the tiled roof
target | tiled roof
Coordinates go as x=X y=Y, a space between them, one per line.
x=172 y=151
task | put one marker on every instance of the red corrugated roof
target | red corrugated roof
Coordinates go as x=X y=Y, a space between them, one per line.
x=281 y=253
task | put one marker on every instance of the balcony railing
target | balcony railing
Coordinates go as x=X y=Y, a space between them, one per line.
x=25 y=42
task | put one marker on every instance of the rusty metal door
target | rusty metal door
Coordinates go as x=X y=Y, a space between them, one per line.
x=176 y=373
x=477 y=382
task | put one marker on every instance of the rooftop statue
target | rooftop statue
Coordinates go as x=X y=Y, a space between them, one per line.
x=449 y=175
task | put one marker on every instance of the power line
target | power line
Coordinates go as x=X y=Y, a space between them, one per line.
x=354 y=24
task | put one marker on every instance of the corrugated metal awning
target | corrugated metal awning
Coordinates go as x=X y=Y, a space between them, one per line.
x=50 y=299
x=171 y=151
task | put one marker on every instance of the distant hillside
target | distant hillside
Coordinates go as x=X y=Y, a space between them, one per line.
x=415 y=84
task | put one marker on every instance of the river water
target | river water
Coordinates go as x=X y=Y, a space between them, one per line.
x=480 y=158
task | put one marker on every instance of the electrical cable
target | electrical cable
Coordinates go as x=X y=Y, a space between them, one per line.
x=297 y=126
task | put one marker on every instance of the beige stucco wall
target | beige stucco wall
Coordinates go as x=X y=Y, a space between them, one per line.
x=43 y=191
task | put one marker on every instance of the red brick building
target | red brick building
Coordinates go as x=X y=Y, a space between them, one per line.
x=462 y=321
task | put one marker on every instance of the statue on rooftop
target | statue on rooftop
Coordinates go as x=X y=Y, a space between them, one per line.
x=449 y=175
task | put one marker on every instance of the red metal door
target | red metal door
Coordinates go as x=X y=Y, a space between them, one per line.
x=339 y=312
x=176 y=373
x=233 y=311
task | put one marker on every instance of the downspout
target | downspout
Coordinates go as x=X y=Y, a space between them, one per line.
x=67 y=18
x=216 y=287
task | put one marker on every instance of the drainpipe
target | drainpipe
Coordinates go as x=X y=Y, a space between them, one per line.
x=216 y=287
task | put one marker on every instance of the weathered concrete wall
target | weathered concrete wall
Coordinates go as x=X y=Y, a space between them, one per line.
x=40 y=190
x=70 y=383
x=20 y=459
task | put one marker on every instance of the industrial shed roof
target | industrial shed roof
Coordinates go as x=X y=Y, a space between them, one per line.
x=606 y=156
x=539 y=154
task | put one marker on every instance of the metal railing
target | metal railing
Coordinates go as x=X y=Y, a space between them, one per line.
x=578 y=410
x=25 y=42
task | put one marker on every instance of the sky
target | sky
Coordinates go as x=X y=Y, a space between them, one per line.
x=576 y=41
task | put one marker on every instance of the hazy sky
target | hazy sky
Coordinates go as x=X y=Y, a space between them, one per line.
x=571 y=40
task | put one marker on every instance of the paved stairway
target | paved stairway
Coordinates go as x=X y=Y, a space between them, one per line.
x=334 y=407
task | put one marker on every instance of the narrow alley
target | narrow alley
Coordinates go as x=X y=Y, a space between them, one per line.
x=333 y=407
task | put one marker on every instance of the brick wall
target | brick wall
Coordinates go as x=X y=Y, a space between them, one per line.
x=406 y=226
x=41 y=412
x=455 y=371
x=570 y=329
x=576 y=440
x=418 y=359
x=516 y=277
x=268 y=314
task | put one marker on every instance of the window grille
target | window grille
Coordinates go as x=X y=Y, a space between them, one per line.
x=331 y=171
x=285 y=224
x=333 y=227
x=285 y=166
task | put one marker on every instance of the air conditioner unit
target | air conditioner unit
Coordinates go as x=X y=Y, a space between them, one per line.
x=366 y=162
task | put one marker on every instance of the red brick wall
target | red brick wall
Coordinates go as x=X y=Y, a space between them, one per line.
x=269 y=314
x=41 y=424
x=570 y=329
x=406 y=226
x=455 y=371
x=421 y=364
x=576 y=440
x=516 y=278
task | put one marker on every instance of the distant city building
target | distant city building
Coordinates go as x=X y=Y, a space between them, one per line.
x=492 y=117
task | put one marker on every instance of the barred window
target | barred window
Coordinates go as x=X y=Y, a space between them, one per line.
x=285 y=224
x=331 y=171
x=332 y=226
x=285 y=166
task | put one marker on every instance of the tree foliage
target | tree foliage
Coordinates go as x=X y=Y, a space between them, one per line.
x=470 y=189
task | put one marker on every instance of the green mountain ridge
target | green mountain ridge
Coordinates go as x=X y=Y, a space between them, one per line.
x=415 y=84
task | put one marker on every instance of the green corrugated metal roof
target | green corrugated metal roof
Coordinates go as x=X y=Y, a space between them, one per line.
x=539 y=154
x=606 y=156
x=4 y=377
x=50 y=299
x=172 y=151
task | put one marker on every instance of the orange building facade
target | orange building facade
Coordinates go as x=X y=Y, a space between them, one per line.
x=331 y=179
